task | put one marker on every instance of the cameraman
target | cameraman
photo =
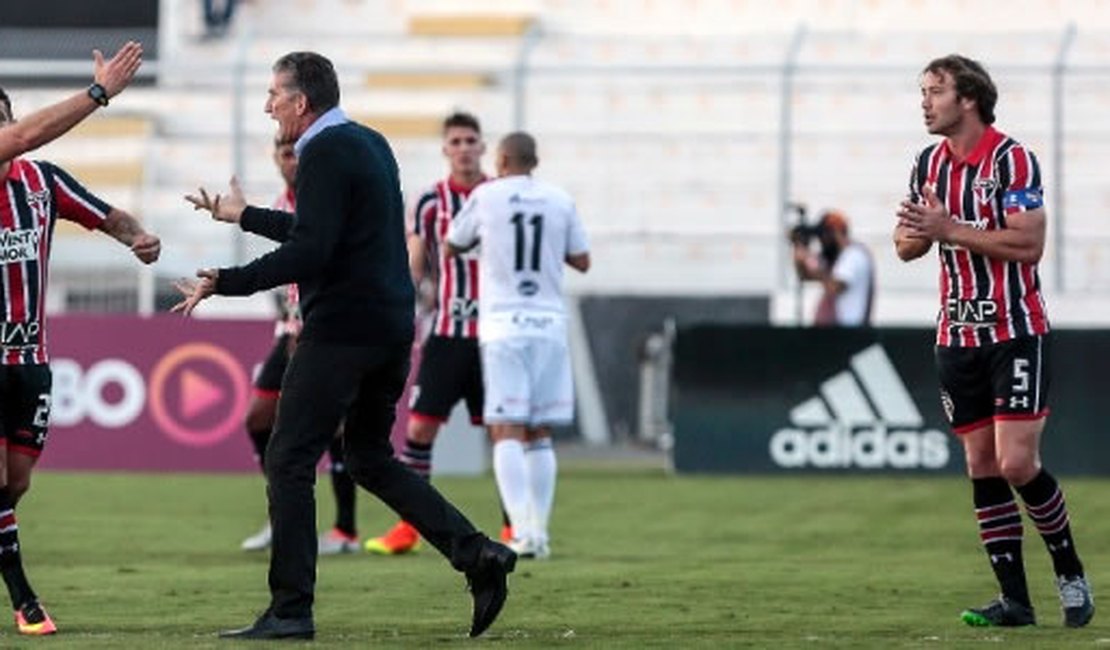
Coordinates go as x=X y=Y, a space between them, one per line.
x=843 y=267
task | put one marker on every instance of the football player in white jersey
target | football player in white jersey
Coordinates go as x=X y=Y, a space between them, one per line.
x=527 y=229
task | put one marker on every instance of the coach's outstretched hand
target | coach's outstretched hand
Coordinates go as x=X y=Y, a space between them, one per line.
x=194 y=292
x=115 y=74
x=223 y=207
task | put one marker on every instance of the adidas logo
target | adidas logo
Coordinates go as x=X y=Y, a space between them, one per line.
x=863 y=417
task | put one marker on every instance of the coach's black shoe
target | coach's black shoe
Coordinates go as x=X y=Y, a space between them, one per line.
x=1000 y=612
x=488 y=584
x=269 y=626
x=1076 y=600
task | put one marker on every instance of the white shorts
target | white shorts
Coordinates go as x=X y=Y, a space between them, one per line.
x=528 y=381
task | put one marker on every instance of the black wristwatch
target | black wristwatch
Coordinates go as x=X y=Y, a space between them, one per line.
x=98 y=94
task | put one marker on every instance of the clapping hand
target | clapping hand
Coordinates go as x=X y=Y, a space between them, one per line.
x=926 y=220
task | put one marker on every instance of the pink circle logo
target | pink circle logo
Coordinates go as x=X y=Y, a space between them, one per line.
x=198 y=393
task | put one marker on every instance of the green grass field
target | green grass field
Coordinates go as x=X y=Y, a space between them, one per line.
x=640 y=560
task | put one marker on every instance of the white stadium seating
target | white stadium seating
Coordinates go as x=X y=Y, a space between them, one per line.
x=662 y=117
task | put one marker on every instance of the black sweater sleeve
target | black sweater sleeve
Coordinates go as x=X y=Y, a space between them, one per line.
x=271 y=224
x=322 y=198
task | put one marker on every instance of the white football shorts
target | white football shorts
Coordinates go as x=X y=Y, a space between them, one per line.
x=528 y=381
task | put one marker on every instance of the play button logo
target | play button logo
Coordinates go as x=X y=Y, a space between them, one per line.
x=198 y=394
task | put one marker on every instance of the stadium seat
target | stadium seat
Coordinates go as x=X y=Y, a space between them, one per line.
x=428 y=80
x=469 y=24
x=402 y=126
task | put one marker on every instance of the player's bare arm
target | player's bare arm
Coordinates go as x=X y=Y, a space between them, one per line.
x=579 y=262
x=1022 y=240
x=223 y=207
x=418 y=268
x=48 y=123
x=127 y=230
x=417 y=257
x=194 y=292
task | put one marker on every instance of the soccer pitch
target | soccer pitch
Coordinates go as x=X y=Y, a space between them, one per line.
x=639 y=560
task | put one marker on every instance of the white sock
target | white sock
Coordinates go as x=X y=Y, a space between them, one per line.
x=539 y=456
x=511 y=473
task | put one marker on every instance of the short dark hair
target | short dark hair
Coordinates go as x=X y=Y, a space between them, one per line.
x=520 y=148
x=7 y=103
x=314 y=75
x=463 y=120
x=972 y=82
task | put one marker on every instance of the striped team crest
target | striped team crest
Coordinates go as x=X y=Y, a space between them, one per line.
x=39 y=202
x=985 y=189
x=984 y=300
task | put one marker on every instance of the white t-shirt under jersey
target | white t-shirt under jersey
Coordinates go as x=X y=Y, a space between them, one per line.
x=526 y=228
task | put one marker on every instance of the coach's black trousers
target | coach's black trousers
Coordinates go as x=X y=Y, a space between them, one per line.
x=323 y=384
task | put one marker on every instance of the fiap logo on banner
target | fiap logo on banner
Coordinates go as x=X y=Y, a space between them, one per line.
x=863 y=417
x=197 y=395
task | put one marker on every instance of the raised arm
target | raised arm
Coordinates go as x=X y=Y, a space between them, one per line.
x=46 y=124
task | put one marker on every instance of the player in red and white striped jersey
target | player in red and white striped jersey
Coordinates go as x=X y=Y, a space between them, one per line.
x=994 y=188
x=978 y=195
x=450 y=367
x=33 y=196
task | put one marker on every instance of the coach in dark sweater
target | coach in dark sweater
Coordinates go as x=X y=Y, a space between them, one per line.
x=345 y=249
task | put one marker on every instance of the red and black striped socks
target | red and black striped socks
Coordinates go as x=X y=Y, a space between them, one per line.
x=1045 y=505
x=418 y=457
x=1000 y=530
x=11 y=564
